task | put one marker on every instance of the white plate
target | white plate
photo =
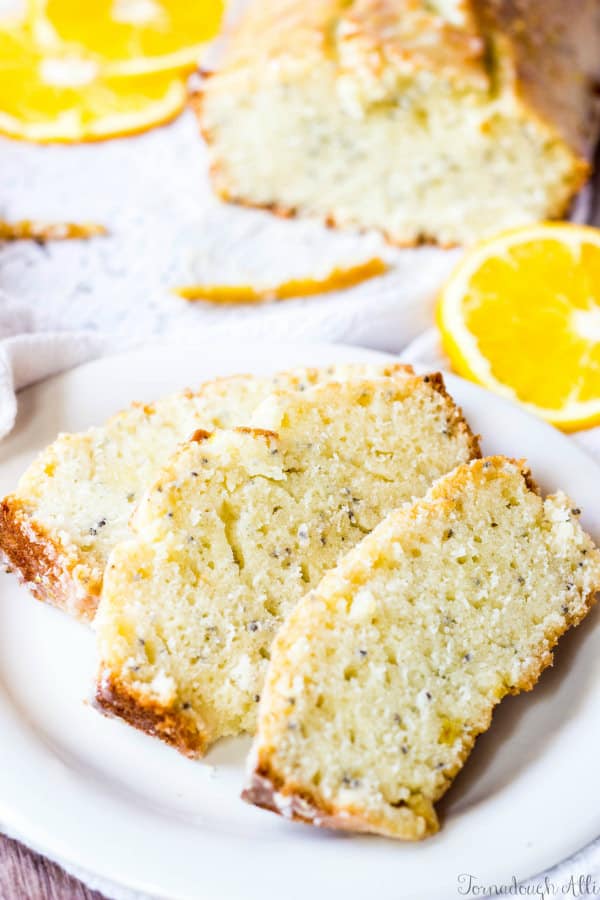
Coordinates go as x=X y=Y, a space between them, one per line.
x=128 y=809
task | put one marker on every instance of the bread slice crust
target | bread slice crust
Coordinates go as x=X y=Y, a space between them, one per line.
x=42 y=565
x=271 y=788
x=116 y=700
x=296 y=803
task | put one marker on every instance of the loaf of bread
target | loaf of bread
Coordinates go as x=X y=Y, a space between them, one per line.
x=73 y=504
x=432 y=121
x=238 y=526
x=384 y=675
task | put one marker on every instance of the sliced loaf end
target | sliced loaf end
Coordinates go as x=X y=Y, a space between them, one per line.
x=384 y=675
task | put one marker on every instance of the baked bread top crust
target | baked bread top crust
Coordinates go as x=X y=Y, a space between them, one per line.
x=540 y=55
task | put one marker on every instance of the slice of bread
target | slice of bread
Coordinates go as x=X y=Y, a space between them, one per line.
x=384 y=675
x=73 y=504
x=431 y=121
x=239 y=526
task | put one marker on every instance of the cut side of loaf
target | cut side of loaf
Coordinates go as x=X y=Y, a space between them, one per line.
x=238 y=526
x=383 y=676
x=436 y=122
x=73 y=504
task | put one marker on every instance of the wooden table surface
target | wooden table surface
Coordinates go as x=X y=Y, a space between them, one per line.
x=27 y=876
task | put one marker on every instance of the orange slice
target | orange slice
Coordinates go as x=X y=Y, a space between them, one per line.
x=521 y=316
x=65 y=97
x=336 y=280
x=129 y=36
x=32 y=230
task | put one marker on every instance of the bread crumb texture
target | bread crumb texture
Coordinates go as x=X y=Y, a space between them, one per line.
x=386 y=672
x=441 y=122
x=73 y=504
x=239 y=526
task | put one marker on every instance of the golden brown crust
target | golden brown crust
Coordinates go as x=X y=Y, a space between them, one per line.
x=42 y=565
x=445 y=488
x=257 y=432
x=384 y=37
x=298 y=806
x=172 y=726
x=200 y=435
x=268 y=790
x=542 y=53
x=436 y=379
x=364 y=35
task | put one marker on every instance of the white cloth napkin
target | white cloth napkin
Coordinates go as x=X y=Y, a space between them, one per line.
x=27 y=356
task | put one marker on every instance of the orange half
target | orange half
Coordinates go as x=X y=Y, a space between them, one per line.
x=65 y=97
x=520 y=315
x=128 y=37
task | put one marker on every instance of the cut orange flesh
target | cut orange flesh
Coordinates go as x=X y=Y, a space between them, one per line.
x=128 y=37
x=521 y=316
x=67 y=98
